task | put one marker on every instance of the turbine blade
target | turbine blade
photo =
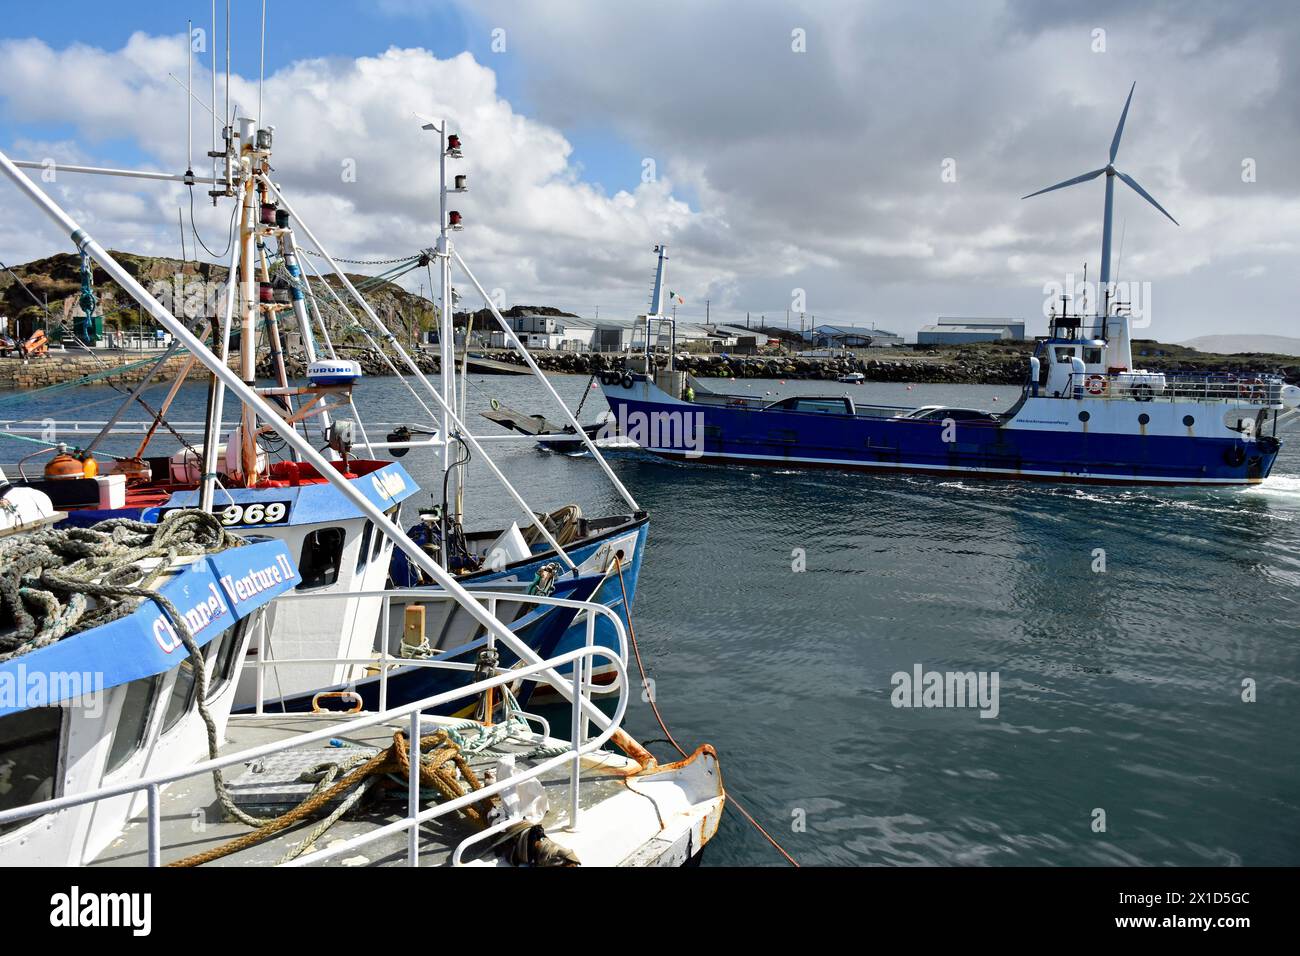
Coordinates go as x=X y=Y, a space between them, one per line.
x=1119 y=130
x=1069 y=182
x=1144 y=194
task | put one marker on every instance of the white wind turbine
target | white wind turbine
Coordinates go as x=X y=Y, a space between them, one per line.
x=1111 y=172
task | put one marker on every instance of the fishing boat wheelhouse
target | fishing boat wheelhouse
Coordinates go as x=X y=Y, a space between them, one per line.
x=120 y=700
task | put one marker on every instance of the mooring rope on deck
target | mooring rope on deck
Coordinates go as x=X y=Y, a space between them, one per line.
x=54 y=571
x=668 y=735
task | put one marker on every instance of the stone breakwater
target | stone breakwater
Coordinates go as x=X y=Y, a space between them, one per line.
x=960 y=369
x=985 y=371
x=60 y=368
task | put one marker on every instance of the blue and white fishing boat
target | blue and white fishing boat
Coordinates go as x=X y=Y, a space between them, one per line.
x=82 y=706
x=1086 y=414
x=522 y=801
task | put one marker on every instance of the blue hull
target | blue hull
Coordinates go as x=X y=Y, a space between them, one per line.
x=810 y=439
x=587 y=552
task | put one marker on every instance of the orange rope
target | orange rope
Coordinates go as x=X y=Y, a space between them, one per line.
x=731 y=799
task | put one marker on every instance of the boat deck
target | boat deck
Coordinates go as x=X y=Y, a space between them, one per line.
x=660 y=818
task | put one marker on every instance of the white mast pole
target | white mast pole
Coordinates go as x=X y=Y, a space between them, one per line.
x=127 y=173
x=189 y=112
x=289 y=251
x=212 y=51
x=250 y=301
x=249 y=396
x=212 y=435
x=446 y=324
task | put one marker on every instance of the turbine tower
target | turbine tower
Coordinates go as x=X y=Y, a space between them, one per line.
x=1111 y=172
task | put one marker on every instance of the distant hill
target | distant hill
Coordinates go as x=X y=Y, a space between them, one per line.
x=1236 y=344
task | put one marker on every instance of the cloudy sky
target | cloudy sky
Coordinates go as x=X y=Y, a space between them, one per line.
x=871 y=156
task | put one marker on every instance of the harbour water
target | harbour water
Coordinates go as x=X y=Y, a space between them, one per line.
x=1121 y=624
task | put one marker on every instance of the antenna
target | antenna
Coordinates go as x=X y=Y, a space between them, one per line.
x=189 y=110
x=226 y=114
x=261 y=69
x=212 y=51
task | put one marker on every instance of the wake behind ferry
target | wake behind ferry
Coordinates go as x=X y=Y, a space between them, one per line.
x=1085 y=413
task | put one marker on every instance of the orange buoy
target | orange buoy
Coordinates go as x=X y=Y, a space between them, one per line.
x=63 y=466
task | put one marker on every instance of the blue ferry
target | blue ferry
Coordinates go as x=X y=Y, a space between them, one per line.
x=1085 y=413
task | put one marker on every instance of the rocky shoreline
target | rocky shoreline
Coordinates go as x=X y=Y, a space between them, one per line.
x=990 y=365
x=987 y=371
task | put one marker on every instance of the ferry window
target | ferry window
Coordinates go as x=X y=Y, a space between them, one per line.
x=182 y=696
x=363 y=553
x=133 y=723
x=1092 y=356
x=1064 y=354
x=832 y=406
x=322 y=553
x=29 y=758
x=223 y=650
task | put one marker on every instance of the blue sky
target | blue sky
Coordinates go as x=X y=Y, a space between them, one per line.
x=786 y=172
x=324 y=28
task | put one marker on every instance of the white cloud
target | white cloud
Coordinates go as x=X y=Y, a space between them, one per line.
x=534 y=227
x=817 y=170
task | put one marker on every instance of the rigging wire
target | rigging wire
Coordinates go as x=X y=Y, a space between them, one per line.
x=230 y=230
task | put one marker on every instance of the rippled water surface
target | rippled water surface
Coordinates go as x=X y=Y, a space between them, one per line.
x=1120 y=690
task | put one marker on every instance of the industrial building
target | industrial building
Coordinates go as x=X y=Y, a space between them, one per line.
x=959 y=330
x=565 y=333
x=851 y=337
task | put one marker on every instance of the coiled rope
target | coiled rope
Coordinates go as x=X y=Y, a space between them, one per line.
x=46 y=577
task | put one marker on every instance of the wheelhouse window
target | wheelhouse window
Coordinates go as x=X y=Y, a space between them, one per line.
x=184 y=690
x=222 y=653
x=381 y=539
x=29 y=759
x=322 y=553
x=363 y=553
x=1092 y=356
x=1064 y=353
x=133 y=721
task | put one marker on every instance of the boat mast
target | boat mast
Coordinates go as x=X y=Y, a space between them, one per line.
x=375 y=513
x=248 y=300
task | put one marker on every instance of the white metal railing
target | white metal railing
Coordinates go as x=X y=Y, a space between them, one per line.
x=386 y=662
x=415 y=817
x=1154 y=386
